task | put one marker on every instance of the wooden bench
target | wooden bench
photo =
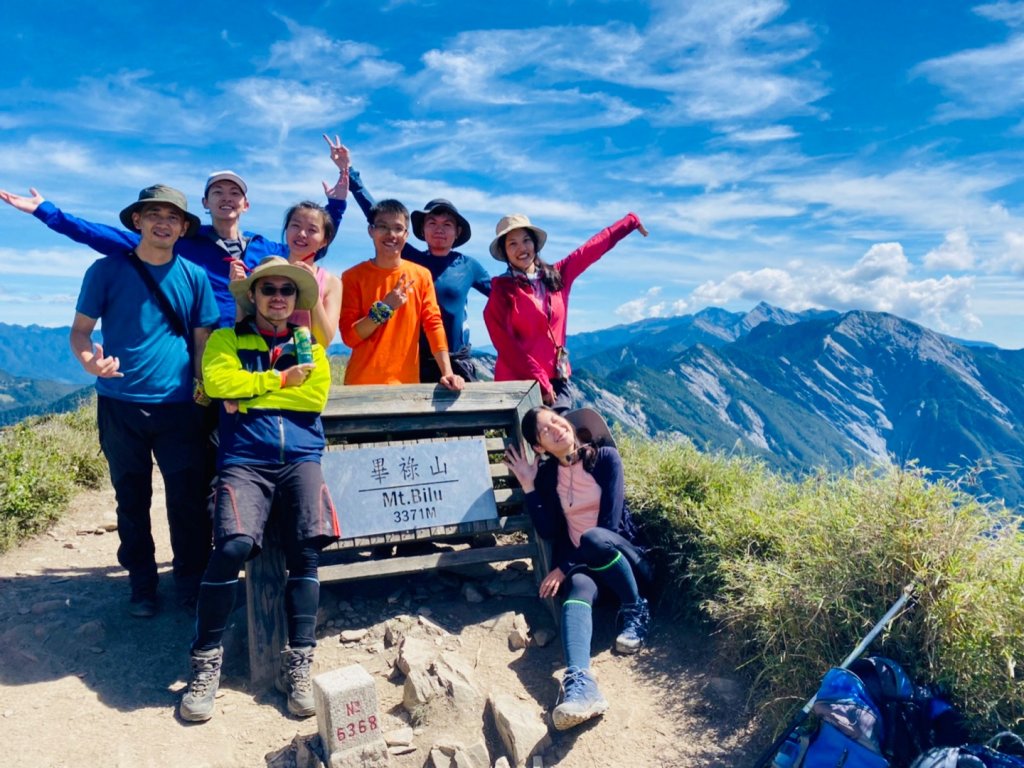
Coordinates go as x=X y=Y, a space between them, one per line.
x=376 y=415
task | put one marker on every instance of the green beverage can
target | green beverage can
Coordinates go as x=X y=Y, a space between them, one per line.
x=303 y=345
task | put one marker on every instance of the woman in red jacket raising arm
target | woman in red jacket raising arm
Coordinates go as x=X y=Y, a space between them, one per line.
x=528 y=307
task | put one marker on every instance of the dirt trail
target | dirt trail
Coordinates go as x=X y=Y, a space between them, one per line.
x=84 y=684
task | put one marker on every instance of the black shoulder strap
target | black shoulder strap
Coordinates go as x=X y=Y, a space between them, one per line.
x=162 y=301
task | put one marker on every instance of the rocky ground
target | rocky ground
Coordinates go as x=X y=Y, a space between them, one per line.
x=84 y=684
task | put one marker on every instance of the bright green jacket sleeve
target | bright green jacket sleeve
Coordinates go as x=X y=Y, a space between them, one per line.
x=225 y=378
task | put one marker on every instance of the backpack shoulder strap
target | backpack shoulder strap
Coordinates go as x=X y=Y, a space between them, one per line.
x=175 y=321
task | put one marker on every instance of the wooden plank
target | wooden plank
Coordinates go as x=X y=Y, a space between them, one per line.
x=264 y=603
x=353 y=427
x=397 y=566
x=504 y=525
x=412 y=399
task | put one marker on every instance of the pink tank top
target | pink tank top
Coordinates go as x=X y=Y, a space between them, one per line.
x=303 y=316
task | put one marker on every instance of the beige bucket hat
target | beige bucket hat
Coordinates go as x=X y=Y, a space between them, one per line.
x=507 y=224
x=275 y=266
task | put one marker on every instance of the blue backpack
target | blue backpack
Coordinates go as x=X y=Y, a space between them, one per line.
x=871 y=716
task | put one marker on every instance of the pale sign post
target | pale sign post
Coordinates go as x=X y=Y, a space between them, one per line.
x=406 y=463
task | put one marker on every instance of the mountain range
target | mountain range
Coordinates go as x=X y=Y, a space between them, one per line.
x=815 y=389
x=800 y=390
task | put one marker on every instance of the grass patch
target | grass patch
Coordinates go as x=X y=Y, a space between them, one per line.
x=43 y=460
x=792 y=575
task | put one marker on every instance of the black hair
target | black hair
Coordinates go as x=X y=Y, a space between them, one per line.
x=388 y=205
x=550 y=276
x=586 y=452
x=328 y=224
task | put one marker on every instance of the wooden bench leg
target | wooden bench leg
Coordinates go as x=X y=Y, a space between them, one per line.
x=264 y=604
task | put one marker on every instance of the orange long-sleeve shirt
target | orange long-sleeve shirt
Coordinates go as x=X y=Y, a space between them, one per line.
x=391 y=354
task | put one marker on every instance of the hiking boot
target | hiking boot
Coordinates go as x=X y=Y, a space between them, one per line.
x=294 y=679
x=197 y=703
x=580 y=700
x=143 y=605
x=636 y=620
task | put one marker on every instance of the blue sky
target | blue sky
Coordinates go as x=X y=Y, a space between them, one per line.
x=842 y=155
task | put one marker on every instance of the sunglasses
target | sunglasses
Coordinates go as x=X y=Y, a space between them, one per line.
x=274 y=290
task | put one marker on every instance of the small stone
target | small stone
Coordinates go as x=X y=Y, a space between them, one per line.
x=69 y=545
x=395 y=596
x=49 y=606
x=109 y=527
x=400 y=737
x=353 y=635
x=99 y=531
x=8 y=713
x=424 y=610
x=97 y=650
x=403 y=750
x=542 y=637
x=344 y=606
x=471 y=594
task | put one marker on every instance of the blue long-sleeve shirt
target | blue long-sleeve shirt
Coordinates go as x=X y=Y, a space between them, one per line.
x=203 y=249
x=454 y=275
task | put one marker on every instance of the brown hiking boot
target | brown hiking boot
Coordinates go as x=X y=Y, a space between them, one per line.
x=197 y=703
x=295 y=680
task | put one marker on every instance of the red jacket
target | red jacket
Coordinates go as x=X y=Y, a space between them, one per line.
x=527 y=330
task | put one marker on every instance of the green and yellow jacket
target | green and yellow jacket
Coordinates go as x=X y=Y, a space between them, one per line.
x=273 y=425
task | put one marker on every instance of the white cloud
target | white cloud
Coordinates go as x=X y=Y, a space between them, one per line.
x=310 y=55
x=649 y=305
x=726 y=61
x=955 y=252
x=982 y=82
x=287 y=104
x=878 y=281
x=761 y=135
x=882 y=260
x=1011 y=257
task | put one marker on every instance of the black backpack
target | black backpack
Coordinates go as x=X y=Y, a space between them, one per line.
x=975 y=755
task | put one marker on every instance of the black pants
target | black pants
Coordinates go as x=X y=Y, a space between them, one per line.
x=430 y=371
x=131 y=434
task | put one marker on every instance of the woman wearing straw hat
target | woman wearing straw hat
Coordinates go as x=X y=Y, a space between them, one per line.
x=528 y=307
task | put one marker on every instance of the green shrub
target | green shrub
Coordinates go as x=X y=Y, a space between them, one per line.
x=793 y=574
x=42 y=460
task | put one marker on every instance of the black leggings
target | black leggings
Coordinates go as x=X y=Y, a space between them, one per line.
x=217 y=592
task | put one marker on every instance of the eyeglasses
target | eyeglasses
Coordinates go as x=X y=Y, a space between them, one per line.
x=384 y=229
x=274 y=290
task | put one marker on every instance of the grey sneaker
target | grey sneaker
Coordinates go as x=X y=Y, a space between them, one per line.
x=197 y=703
x=580 y=700
x=636 y=620
x=294 y=679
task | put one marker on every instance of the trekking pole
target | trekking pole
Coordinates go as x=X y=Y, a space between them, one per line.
x=798 y=719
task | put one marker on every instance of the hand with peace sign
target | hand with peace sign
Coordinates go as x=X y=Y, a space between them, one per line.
x=340 y=157
x=398 y=295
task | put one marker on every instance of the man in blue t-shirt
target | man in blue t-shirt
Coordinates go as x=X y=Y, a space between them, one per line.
x=157 y=311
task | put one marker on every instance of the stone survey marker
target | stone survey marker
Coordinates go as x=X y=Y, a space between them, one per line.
x=347 y=717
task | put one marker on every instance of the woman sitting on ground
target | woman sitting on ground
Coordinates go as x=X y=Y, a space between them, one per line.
x=575 y=495
x=527 y=310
